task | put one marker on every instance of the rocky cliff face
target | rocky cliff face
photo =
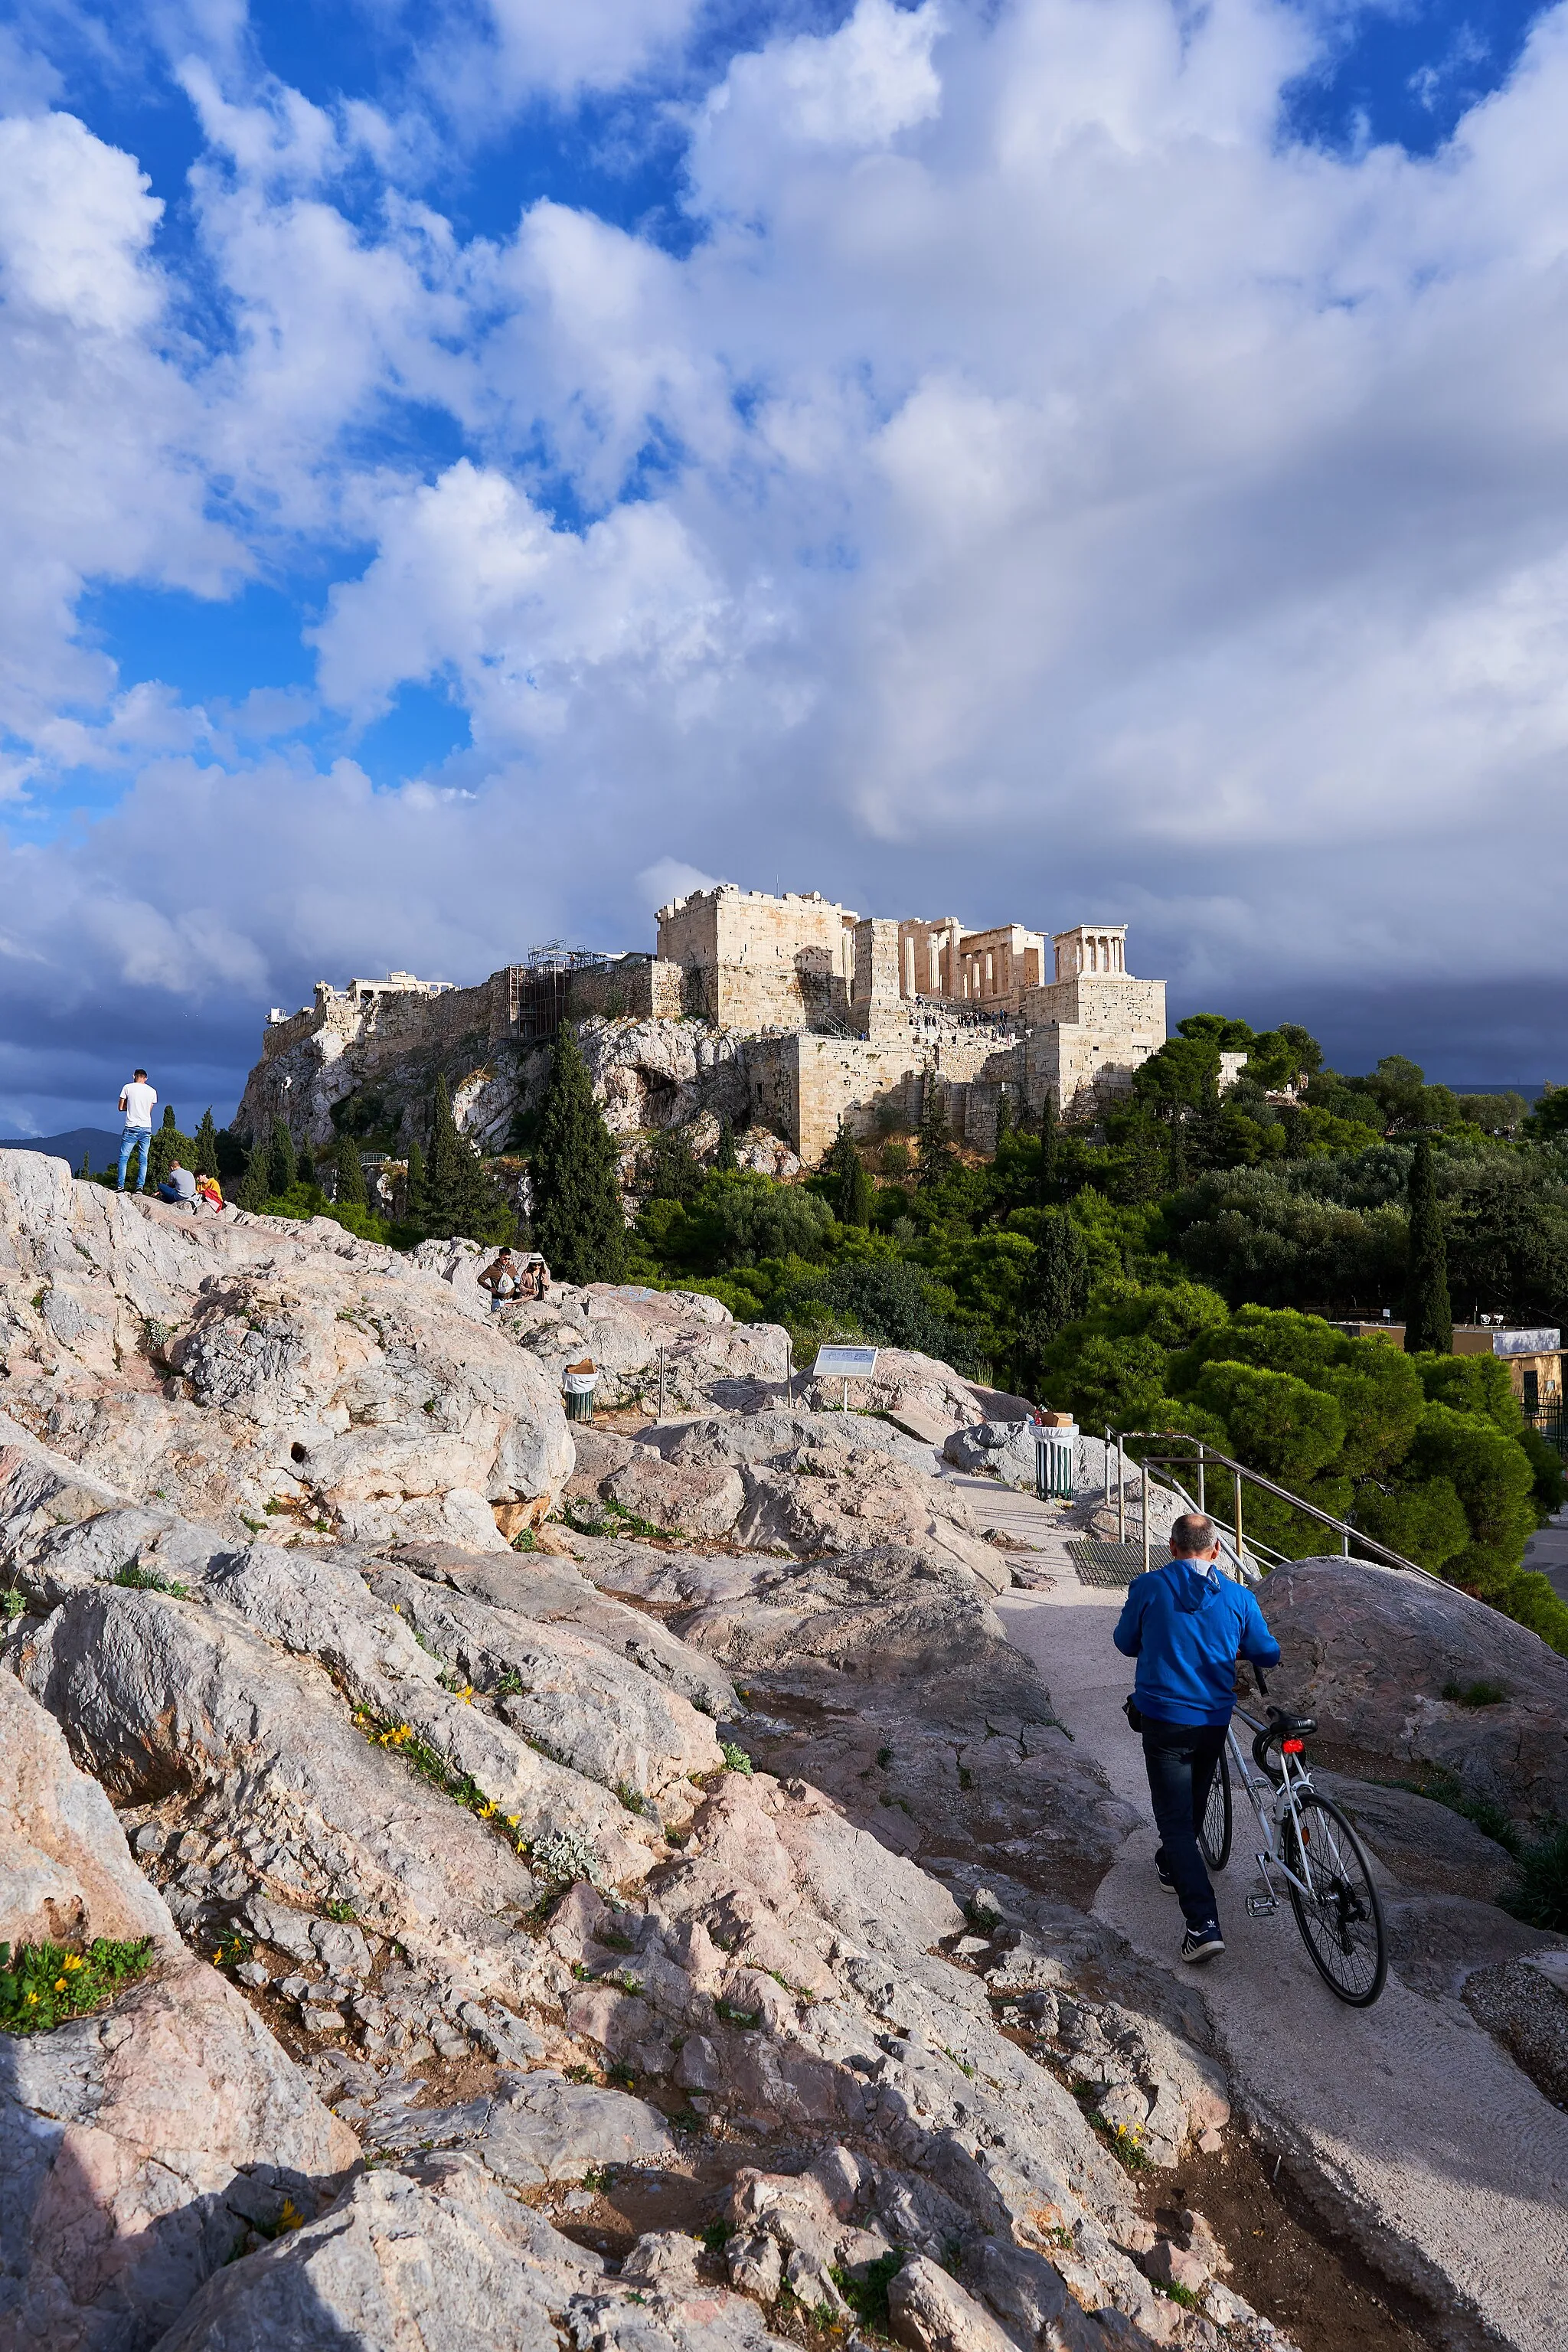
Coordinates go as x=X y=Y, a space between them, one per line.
x=645 y=1074
x=497 y=1995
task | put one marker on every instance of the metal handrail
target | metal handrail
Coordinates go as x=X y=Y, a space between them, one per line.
x=1206 y=1453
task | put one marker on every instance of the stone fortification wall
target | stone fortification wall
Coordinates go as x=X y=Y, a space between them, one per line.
x=1087 y=1035
x=753 y=961
x=632 y=988
x=804 y=1085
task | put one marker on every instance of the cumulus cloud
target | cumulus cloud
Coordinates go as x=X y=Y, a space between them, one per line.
x=1033 y=484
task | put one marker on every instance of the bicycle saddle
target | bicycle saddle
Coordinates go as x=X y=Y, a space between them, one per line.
x=1282 y=1724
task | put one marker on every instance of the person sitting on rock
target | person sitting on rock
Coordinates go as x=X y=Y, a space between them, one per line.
x=500 y=1278
x=178 y=1185
x=533 y=1276
x=1186 y=1625
x=209 y=1189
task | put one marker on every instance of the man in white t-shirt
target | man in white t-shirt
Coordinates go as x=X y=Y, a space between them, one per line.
x=136 y=1101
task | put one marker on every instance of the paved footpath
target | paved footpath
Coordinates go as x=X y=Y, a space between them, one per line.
x=1440 y=2149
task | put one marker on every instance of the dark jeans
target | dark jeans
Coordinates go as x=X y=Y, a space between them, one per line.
x=1182 y=1760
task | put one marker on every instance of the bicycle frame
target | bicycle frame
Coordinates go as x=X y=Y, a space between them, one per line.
x=1271 y=1801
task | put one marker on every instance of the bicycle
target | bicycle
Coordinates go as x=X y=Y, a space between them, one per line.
x=1312 y=1847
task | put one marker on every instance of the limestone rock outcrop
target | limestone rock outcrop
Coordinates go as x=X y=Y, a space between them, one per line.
x=237 y=1369
x=1369 y=1652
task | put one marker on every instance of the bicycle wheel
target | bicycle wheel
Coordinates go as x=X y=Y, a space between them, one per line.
x=1342 y=1920
x=1214 y=1837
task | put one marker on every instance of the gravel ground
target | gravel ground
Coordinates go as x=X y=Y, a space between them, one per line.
x=1530 y=2017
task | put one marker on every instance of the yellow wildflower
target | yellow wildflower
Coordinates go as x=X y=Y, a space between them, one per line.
x=59 y=1984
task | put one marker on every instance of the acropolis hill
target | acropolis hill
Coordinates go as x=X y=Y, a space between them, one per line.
x=790 y=1014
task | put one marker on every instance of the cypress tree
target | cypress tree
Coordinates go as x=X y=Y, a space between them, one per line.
x=1061 y=1274
x=862 y=1196
x=667 y=1168
x=460 y=1200
x=839 y=1167
x=1428 y=1317
x=167 y=1146
x=726 y=1161
x=85 y=1170
x=1048 y=1184
x=206 y=1146
x=1004 y=1117
x=1146 y=1163
x=307 y=1168
x=282 y=1166
x=349 y=1192
x=577 y=1218
x=933 y=1150
x=253 y=1192
x=414 y=1201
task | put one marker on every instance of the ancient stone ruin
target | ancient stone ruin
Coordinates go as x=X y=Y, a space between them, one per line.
x=789 y=1014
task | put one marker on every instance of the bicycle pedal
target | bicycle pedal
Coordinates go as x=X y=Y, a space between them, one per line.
x=1262 y=1907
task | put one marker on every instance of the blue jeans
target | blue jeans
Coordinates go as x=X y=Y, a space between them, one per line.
x=135 y=1139
x=1182 y=1760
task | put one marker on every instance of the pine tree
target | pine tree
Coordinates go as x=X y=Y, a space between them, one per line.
x=933 y=1150
x=460 y=1200
x=349 y=1192
x=726 y=1160
x=1428 y=1317
x=577 y=1217
x=1048 y=1184
x=1061 y=1274
x=206 y=1146
x=414 y=1201
x=282 y=1166
x=254 y=1192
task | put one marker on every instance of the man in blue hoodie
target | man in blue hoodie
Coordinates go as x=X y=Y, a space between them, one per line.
x=1187 y=1624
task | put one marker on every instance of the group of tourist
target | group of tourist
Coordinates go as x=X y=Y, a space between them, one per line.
x=136 y=1105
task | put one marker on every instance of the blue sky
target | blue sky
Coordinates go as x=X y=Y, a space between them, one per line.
x=470 y=467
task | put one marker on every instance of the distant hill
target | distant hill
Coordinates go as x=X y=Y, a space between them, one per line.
x=101 y=1143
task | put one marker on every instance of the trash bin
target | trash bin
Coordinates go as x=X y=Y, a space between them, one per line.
x=577 y=1385
x=1054 y=1448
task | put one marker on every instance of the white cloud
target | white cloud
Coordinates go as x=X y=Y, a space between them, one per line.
x=1039 y=482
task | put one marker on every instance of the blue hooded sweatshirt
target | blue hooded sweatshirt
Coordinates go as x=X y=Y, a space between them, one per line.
x=1186 y=1628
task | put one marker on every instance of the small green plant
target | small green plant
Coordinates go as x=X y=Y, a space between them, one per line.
x=581 y=2075
x=339 y=1908
x=621 y=2075
x=716 y=2235
x=1480 y=1694
x=631 y=1798
x=600 y=2177
x=509 y=1685
x=982 y=1917
x=42 y=1985
x=431 y=1404
x=867 y=2293
x=962 y=2065
x=1540 y=1898
x=884 y=1757
x=12 y=1606
x=613 y=1940
x=1176 y=2292
x=748 y=2019
x=525 y=1540
x=231 y=1951
x=735 y=1758
x=965 y=1777
x=137 y=1579
x=256 y=1526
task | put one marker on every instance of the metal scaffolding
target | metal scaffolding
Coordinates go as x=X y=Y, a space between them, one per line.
x=537 y=988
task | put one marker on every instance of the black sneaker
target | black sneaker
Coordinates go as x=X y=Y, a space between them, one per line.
x=1203 y=1943
x=1163 y=1873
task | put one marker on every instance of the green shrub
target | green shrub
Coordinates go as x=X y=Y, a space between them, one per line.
x=1541 y=1896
